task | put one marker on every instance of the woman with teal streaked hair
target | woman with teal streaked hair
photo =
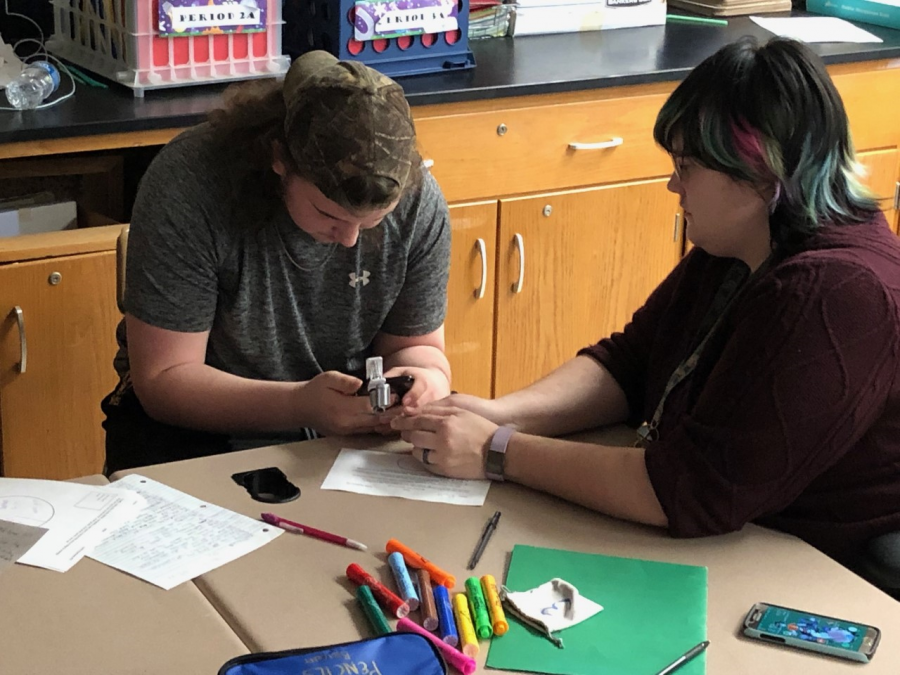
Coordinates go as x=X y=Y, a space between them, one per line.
x=763 y=374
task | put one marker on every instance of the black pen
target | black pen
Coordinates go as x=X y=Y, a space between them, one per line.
x=489 y=528
x=684 y=658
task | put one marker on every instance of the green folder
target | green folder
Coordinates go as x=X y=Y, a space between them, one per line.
x=653 y=612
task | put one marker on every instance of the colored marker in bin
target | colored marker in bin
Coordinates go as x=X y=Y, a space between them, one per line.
x=382 y=593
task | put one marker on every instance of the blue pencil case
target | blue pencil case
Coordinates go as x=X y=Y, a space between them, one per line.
x=392 y=654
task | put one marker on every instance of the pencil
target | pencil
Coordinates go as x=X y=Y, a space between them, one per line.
x=681 y=18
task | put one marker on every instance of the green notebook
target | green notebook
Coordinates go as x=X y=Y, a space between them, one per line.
x=653 y=613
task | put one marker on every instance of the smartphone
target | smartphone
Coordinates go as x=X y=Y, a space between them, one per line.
x=813 y=632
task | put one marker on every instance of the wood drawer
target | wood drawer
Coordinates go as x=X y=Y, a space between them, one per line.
x=475 y=157
x=871 y=100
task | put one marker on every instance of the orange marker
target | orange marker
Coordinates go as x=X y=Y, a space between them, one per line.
x=492 y=597
x=413 y=559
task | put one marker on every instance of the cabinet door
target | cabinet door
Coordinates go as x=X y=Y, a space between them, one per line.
x=884 y=179
x=591 y=258
x=469 y=327
x=50 y=414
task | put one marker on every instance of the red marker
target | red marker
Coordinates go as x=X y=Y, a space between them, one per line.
x=393 y=603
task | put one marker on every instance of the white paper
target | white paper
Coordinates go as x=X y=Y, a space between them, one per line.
x=15 y=540
x=76 y=516
x=178 y=537
x=815 y=29
x=392 y=474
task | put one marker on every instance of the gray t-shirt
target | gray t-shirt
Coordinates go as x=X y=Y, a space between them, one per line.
x=277 y=304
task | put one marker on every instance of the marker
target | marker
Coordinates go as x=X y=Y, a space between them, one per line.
x=372 y=610
x=467 y=638
x=495 y=607
x=427 y=608
x=404 y=583
x=385 y=596
x=413 y=559
x=479 y=609
x=445 y=616
x=456 y=659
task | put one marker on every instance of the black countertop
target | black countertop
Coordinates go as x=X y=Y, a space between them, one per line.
x=506 y=67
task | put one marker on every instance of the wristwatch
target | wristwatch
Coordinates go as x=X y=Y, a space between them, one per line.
x=496 y=454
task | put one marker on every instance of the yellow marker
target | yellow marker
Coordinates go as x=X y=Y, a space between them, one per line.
x=469 y=643
x=492 y=597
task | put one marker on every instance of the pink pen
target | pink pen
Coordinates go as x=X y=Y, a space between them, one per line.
x=455 y=658
x=291 y=526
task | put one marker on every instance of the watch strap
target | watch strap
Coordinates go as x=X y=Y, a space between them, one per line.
x=496 y=455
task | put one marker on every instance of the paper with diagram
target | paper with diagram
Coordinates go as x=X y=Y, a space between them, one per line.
x=75 y=516
x=178 y=537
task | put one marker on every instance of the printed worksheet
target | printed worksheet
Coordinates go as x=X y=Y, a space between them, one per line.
x=178 y=537
x=15 y=540
x=392 y=474
x=75 y=516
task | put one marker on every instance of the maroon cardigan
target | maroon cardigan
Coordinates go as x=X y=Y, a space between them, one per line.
x=792 y=417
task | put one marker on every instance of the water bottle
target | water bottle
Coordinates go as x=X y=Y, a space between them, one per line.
x=33 y=85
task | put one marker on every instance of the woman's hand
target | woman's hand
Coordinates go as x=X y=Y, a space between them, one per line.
x=488 y=408
x=429 y=385
x=449 y=441
x=329 y=404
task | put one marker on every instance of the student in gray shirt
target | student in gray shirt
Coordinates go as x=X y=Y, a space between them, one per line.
x=272 y=250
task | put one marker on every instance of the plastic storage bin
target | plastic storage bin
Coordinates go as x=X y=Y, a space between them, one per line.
x=120 y=40
x=329 y=25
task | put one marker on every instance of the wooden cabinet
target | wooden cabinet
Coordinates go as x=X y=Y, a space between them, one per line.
x=59 y=318
x=470 y=297
x=572 y=268
x=580 y=189
x=883 y=169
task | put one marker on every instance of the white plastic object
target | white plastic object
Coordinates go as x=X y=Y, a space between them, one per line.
x=33 y=85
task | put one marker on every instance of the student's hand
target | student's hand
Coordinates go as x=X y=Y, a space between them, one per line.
x=429 y=385
x=448 y=441
x=488 y=408
x=329 y=403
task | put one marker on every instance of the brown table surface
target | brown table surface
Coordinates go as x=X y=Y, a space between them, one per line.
x=293 y=592
x=95 y=620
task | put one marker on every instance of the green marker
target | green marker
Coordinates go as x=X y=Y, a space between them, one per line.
x=479 y=609
x=372 y=610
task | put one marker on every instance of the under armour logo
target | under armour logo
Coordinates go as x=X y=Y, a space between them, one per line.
x=363 y=279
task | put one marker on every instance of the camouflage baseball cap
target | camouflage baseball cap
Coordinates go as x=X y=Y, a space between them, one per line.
x=345 y=119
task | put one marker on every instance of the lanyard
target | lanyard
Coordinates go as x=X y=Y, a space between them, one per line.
x=735 y=280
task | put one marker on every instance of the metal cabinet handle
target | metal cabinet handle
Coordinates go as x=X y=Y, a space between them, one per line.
x=613 y=142
x=23 y=345
x=482 y=253
x=897 y=196
x=520 y=247
x=676 y=227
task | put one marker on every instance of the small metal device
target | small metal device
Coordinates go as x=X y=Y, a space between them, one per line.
x=378 y=387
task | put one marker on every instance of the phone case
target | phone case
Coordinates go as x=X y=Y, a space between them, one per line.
x=807 y=645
